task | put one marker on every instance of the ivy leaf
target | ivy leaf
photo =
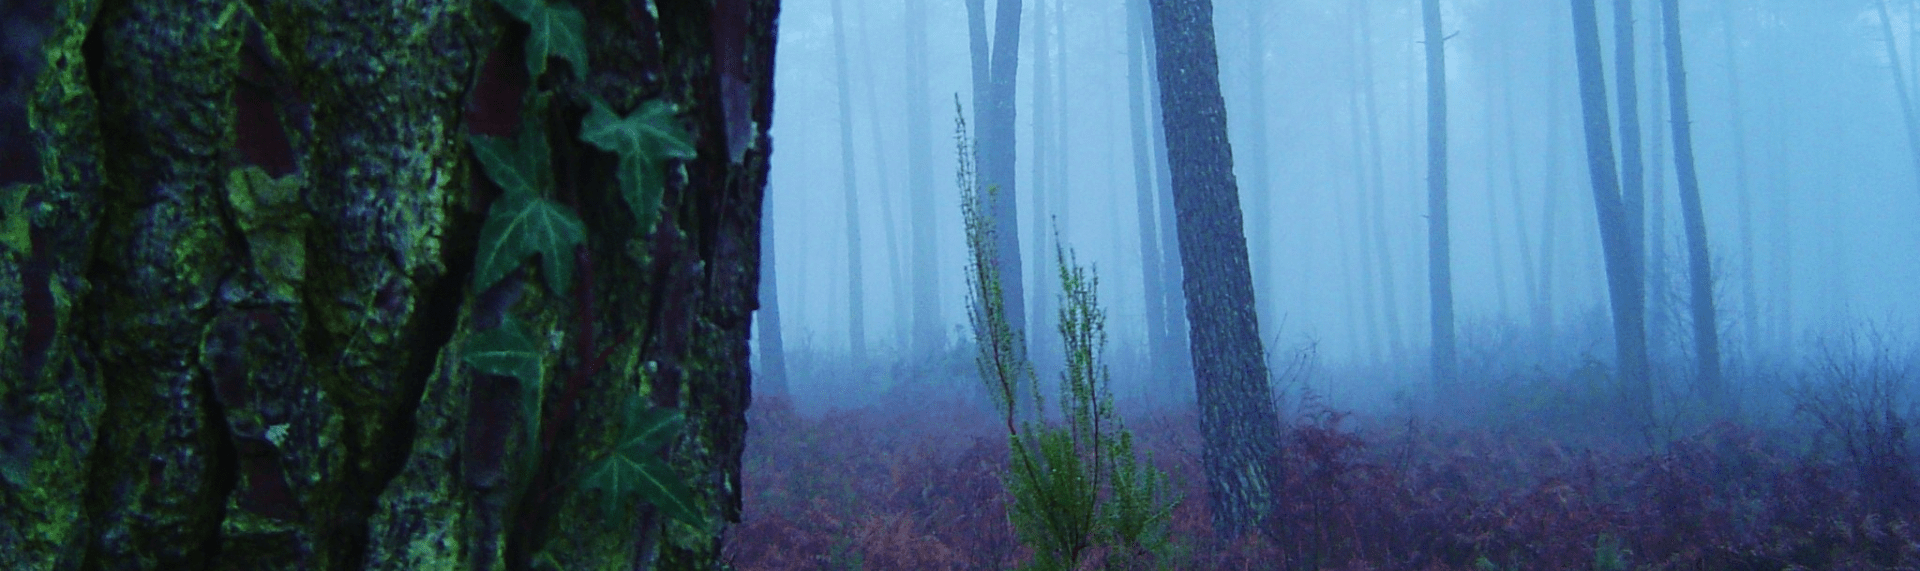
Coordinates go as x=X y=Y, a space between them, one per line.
x=644 y=140
x=506 y=350
x=557 y=31
x=521 y=225
x=521 y=165
x=635 y=469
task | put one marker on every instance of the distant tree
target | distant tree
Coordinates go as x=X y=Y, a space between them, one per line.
x=856 y=297
x=1624 y=282
x=1900 y=87
x=1706 y=332
x=1154 y=285
x=1377 y=189
x=773 y=348
x=995 y=63
x=1439 y=251
x=1742 y=189
x=1238 y=422
x=928 y=333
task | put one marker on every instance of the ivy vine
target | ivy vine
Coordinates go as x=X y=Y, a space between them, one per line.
x=526 y=222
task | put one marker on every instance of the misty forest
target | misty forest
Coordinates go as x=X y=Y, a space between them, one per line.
x=1313 y=284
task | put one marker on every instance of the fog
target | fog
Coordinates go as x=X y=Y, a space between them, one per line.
x=1806 y=179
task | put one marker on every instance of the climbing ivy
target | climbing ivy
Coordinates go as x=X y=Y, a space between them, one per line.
x=526 y=222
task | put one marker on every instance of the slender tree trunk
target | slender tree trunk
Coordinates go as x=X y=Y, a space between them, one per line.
x=995 y=71
x=1159 y=340
x=1504 y=306
x=1622 y=259
x=928 y=334
x=247 y=293
x=773 y=348
x=1749 y=298
x=896 y=255
x=1529 y=279
x=1171 y=265
x=1362 y=190
x=1261 y=216
x=856 y=281
x=1439 y=249
x=1377 y=187
x=1061 y=206
x=1901 y=88
x=1627 y=98
x=1043 y=230
x=1706 y=332
x=1543 y=314
x=1659 y=297
x=1238 y=422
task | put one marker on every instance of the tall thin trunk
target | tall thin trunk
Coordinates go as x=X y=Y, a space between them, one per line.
x=1061 y=205
x=1706 y=332
x=1528 y=278
x=1363 y=172
x=1377 y=187
x=1749 y=298
x=772 y=376
x=1627 y=97
x=995 y=74
x=1043 y=230
x=1260 y=231
x=1172 y=267
x=890 y=192
x=1622 y=259
x=1543 y=314
x=1659 y=298
x=928 y=335
x=1153 y=285
x=1901 y=88
x=1503 y=303
x=856 y=298
x=1439 y=249
x=1238 y=423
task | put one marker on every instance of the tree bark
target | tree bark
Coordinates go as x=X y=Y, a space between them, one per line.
x=237 y=319
x=1238 y=423
x=1624 y=281
x=1439 y=248
x=928 y=334
x=1153 y=286
x=849 y=182
x=1706 y=331
x=1900 y=87
x=1377 y=189
x=1260 y=230
x=995 y=67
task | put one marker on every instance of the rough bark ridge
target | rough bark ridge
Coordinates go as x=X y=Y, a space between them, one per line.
x=1237 y=417
x=238 y=239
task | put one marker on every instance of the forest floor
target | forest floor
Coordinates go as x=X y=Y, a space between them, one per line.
x=1534 y=479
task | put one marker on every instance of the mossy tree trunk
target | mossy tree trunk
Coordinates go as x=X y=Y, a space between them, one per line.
x=235 y=287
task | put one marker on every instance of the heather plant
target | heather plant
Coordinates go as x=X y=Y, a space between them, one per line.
x=1076 y=488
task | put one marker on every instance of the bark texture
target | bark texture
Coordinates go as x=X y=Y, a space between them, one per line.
x=1237 y=418
x=235 y=281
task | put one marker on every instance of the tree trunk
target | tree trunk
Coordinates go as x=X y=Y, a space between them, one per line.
x=1543 y=312
x=1153 y=286
x=1362 y=185
x=1900 y=87
x=1171 y=266
x=896 y=258
x=244 y=291
x=1377 y=188
x=1742 y=191
x=1529 y=279
x=929 y=335
x=995 y=67
x=1260 y=231
x=1439 y=249
x=773 y=347
x=1706 y=332
x=856 y=278
x=1043 y=231
x=1503 y=303
x=1238 y=423
x=1622 y=259
x=1627 y=96
x=1659 y=298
